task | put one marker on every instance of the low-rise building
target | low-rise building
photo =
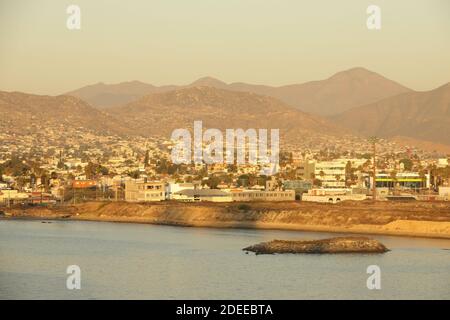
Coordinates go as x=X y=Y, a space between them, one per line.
x=299 y=186
x=250 y=195
x=332 y=195
x=444 y=192
x=144 y=191
x=305 y=170
x=272 y=184
x=173 y=188
x=212 y=195
x=10 y=196
x=330 y=173
x=442 y=163
x=402 y=180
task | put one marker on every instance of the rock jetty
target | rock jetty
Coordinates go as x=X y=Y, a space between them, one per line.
x=331 y=245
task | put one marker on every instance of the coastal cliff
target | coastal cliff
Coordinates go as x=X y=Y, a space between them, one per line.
x=423 y=219
x=332 y=245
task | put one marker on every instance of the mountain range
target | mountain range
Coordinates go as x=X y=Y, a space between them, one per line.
x=355 y=101
x=338 y=93
x=161 y=113
x=103 y=96
x=28 y=113
x=420 y=115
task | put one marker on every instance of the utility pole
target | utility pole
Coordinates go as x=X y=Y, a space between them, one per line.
x=374 y=140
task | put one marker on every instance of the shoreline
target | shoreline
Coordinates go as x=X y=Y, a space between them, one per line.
x=263 y=226
x=244 y=226
x=407 y=219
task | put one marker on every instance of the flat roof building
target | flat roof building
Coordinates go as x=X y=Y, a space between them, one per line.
x=144 y=191
x=193 y=195
x=330 y=173
x=248 y=195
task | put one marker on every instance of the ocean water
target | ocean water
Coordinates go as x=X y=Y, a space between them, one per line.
x=138 y=261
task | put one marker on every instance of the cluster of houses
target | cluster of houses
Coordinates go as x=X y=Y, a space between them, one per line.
x=288 y=190
x=302 y=178
x=143 y=190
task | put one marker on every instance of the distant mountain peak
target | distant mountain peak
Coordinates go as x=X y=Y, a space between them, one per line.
x=445 y=86
x=356 y=72
x=209 y=82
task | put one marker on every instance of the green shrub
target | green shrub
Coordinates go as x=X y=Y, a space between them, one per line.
x=244 y=207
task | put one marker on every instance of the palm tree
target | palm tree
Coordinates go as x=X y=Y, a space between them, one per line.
x=373 y=140
x=393 y=176
x=322 y=174
x=338 y=177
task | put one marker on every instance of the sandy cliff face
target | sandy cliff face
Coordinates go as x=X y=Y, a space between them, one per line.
x=425 y=219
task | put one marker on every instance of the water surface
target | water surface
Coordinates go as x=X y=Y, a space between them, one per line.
x=138 y=261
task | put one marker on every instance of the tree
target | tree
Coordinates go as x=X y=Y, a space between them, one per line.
x=162 y=166
x=32 y=180
x=423 y=176
x=407 y=163
x=61 y=165
x=350 y=176
x=243 y=180
x=94 y=169
x=135 y=174
x=322 y=174
x=16 y=167
x=146 y=159
x=45 y=182
x=393 y=175
x=231 y=168
x=317 y=182
x=213 y=182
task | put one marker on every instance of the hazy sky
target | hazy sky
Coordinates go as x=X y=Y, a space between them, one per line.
x=271 y=42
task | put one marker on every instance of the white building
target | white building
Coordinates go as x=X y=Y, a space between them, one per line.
x=172 y=188
x=444 y=192
x=332 y=195
x=9 y=195
x=402 y=180
x=442 y=163
x=250 y=195
x=144 y=191
x=331 y=173
x=194 y=195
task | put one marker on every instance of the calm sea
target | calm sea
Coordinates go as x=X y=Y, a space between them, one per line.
x=137 y=261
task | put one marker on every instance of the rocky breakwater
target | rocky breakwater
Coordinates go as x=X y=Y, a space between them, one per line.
x=331 y=245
